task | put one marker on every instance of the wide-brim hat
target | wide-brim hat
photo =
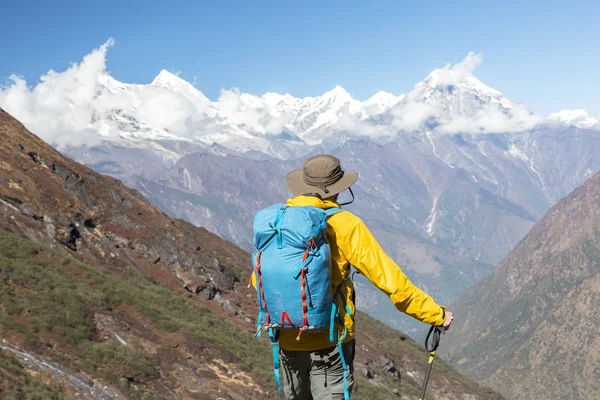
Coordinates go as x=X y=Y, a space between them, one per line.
x=322 y=175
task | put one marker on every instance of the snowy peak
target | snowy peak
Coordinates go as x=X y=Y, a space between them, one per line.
x=338 y=92
x=452 y=100
x=442 y=84
x=251 y=100
x=380 y=102
x=170 y=81
x=274 y=99
x=337 y=99
x=384 y=98
x=316 y=117
x=111 y=84
x=457 y=90
x=578 y=118
x=280 y=104
x=167 y=79
x=334 y=100
x=443 y=78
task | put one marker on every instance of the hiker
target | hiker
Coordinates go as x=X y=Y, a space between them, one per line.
x=311 y=364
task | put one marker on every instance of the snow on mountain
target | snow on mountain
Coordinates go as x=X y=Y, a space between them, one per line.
x=381 y=102
x=578 y=118
x=169 y=81
x=444 y=81
x=280 y=103
x=452 y=100
x=85 y=105
x=313 y=115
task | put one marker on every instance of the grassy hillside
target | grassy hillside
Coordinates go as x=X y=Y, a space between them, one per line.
x=51 y=304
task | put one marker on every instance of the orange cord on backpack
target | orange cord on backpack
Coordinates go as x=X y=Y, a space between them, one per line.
x=261 y=289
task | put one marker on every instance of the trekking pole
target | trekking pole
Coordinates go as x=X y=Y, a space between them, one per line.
x=431 y=348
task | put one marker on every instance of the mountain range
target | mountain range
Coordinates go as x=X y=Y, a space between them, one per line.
x=103 y=296
x=453 y=174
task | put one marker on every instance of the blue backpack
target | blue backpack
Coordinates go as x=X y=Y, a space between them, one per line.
x=292 y=269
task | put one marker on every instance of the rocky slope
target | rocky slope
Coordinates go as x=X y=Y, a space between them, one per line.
x=105 y=297
x=530 y=328
x=95 y=220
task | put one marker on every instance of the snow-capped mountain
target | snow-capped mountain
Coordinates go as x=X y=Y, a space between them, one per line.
x=244 y=122
x=174 y=83
x=381 y=102
x=93 y=106
x=447 y=102
x=315 y=114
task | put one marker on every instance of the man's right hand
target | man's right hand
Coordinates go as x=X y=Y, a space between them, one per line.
x=448 y=320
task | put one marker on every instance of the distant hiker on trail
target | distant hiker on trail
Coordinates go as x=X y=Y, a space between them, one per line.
x=302 y=267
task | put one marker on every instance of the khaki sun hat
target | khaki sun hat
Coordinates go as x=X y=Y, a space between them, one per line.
x=321 y=174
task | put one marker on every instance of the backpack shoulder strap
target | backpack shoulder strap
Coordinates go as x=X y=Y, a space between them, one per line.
x=331 y=211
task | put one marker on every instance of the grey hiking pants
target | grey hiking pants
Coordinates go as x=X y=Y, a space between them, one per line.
x=317 y=375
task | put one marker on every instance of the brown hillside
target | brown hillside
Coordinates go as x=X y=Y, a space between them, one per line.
x=530 y=329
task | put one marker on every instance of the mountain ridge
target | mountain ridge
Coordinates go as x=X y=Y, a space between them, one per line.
x=530 y=326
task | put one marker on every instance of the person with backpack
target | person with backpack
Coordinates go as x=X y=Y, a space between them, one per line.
x=302 y=266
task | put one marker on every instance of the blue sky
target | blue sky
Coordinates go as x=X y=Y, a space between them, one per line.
x=543 y=53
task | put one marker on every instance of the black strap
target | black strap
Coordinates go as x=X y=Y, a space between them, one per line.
x=434 y=334
x=348 y=202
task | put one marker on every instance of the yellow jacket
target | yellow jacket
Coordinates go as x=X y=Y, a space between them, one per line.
x=353 y=245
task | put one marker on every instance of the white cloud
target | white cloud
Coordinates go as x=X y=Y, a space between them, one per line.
x=355 y=125
x=457 y=73
x=578 y=118
x=57 y=108
x=493 y=119
x=249 y=111
x=413 y=116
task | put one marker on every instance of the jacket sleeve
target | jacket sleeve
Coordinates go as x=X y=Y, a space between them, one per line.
x=363 y=251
